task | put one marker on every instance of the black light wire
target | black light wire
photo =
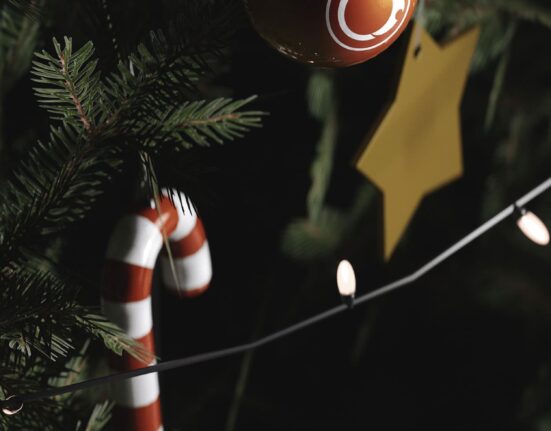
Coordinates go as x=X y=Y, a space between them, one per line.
x=15 y=402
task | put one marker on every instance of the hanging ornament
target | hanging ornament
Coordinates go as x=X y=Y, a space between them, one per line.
x=126 y=295
x=417 y=147
x=330 y=33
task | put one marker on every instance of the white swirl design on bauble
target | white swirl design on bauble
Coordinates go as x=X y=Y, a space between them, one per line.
x=378 y=37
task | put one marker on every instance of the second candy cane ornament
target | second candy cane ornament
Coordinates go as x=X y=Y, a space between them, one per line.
x=126 y=294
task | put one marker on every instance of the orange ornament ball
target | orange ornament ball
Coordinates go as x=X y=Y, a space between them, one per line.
x=331 y=33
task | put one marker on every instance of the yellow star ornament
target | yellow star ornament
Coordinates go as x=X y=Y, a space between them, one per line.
x=417 y=146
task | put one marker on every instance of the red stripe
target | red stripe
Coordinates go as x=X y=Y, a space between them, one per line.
x=190 y=244
x=127 y=283
x=181 y=293
x=127 y=362
x=146 y=418
x=165 y=218
x=123 y=282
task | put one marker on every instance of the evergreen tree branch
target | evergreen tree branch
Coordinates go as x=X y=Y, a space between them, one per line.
x=99 y=418
x=203 y=122
x=39 y=314
x=69 y=84
x=18 y=34
x=152 y=107
x=55 y=187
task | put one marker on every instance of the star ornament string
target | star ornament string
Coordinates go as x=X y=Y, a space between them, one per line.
x=527 y=222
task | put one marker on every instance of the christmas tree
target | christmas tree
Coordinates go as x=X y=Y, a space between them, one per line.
x=106 y=105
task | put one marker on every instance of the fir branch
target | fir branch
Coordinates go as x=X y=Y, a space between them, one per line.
x=72 y=370
x=42 y=416
x=115 y=339
x=33 y=311
x=55 y=187
x=154 y=80
x=321 y=99
x=202 y=122
x=59 y=414
x=99 y=418
x=147 y=102
x=18 y=33
x=97 y=117
x=205 y=28
x=63 y=178
x=39 y=314
x=69 y=84
x=32 y=9
x=531 y=10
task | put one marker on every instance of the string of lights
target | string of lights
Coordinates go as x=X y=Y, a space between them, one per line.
x=527 y=222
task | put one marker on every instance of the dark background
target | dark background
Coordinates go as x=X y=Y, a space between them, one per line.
x=442 y=353
x=465 y=348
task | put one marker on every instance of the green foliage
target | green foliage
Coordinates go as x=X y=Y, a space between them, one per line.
x=111 y=335
x=17 y=42
x=69 y=85
x=55 y=187
x=30 y=9
x=149 y=104
x=44 y=326
x=322 y=233
x=202 y=122
x=142 y=104
x=98 y=419
x=321 y=96
x=451 y=17
x=62 y=178
x=62 y=413
x=318 y=235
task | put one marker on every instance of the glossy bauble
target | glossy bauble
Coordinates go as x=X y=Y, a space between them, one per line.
x=331 y=33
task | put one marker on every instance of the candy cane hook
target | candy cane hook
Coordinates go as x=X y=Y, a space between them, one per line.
x=126 y=295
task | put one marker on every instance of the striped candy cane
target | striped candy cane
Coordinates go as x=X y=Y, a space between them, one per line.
x=126 y=295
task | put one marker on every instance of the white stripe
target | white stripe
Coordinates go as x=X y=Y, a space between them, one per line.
x=136 y=240
x=134 y=318
x=137 y=392
x=194 y=271
x=337 y=40
x=187 y=219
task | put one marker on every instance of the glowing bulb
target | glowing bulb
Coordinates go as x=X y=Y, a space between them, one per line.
x=531 y=226
x=346 y=279
x=12 y=410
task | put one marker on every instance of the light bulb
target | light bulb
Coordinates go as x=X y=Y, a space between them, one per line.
x=346 y=279
x=531 y=226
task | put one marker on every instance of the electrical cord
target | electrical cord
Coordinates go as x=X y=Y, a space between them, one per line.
x=14 y=403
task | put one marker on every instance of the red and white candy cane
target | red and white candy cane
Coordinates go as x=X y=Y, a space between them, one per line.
x=126 y=295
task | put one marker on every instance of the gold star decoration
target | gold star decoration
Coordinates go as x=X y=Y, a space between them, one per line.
x=417 y=146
